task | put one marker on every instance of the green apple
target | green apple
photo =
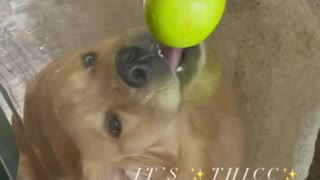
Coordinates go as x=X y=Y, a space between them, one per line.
x=183 y=23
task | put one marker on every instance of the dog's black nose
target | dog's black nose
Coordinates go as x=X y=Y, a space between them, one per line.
x=135 y=65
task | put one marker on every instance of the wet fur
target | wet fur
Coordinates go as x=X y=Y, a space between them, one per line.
x=64 y=138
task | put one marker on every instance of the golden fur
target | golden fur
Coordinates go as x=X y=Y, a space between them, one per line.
x=163 y=126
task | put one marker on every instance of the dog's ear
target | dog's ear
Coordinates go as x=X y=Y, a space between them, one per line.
x=45 y=133
x=30 y=167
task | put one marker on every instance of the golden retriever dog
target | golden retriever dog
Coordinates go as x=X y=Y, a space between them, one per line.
x=130 y=108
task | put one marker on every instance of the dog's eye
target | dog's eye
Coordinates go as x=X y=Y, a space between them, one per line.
x=113 y=124
x=89 y=59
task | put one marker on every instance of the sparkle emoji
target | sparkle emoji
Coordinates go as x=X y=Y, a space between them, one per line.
x=199 y=174
x=292 y=174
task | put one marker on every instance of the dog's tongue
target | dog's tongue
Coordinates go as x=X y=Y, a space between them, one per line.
x=173 y=56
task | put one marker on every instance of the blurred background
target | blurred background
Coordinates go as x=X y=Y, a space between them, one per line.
x=270 y=50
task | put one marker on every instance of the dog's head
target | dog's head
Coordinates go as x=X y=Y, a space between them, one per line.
x=118 y=101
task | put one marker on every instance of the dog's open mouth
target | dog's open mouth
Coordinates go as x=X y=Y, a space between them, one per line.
x=174 y=56
x=184 y=62
x=177 y=57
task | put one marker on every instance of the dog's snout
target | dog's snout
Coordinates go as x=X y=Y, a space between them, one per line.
x=139 y=75
x=135 y=66
x=126 y=55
